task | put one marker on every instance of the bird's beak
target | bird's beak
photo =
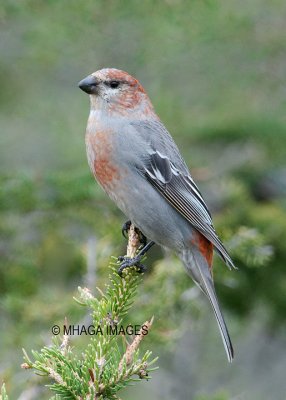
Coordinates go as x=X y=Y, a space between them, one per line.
x=89 y=84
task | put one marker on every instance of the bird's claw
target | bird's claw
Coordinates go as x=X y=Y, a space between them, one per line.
x=125 y=228
x=127 y=262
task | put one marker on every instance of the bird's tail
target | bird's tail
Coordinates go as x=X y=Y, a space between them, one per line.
x=198 y=269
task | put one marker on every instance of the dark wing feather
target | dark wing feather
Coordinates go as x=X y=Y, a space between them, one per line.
x=181 y=192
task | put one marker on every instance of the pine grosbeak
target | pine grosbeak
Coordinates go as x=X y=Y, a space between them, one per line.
x=135 y=160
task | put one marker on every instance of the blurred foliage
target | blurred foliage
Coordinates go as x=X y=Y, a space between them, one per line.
x=215 y=72
x=3 y=395
x=219 y=396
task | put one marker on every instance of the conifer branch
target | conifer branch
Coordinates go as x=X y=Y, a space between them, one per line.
x=107 y=364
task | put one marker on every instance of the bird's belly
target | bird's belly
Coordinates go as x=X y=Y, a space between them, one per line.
x=153 y=215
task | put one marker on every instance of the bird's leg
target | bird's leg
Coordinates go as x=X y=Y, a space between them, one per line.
x=135 y=261
x=146 y=248
x=125 y=228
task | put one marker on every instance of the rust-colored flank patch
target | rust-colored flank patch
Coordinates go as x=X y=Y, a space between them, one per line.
x=206 y=248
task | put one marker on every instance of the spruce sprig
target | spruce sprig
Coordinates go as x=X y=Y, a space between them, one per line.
x=109 y=362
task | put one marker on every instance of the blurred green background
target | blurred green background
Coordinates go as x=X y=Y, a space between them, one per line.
x=215 y=71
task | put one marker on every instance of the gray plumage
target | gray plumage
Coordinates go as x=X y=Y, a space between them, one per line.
x=136 y=161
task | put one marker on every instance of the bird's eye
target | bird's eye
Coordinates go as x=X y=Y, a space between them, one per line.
x=114 y=84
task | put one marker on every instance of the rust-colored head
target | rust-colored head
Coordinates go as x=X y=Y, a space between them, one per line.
x=117 y=92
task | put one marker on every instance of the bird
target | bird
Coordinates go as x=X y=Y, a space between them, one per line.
x=137 y=163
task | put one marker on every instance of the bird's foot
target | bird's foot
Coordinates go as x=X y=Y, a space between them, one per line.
x=127 y=262
x=125 y=230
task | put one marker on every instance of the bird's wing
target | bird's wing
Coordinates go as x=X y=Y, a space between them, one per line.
x=182 y=193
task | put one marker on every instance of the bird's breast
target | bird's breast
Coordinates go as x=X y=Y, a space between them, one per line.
x=101 y=158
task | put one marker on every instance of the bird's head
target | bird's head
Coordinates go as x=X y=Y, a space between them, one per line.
x=117 y=92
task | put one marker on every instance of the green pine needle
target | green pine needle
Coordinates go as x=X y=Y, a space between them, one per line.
x=106 y=366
